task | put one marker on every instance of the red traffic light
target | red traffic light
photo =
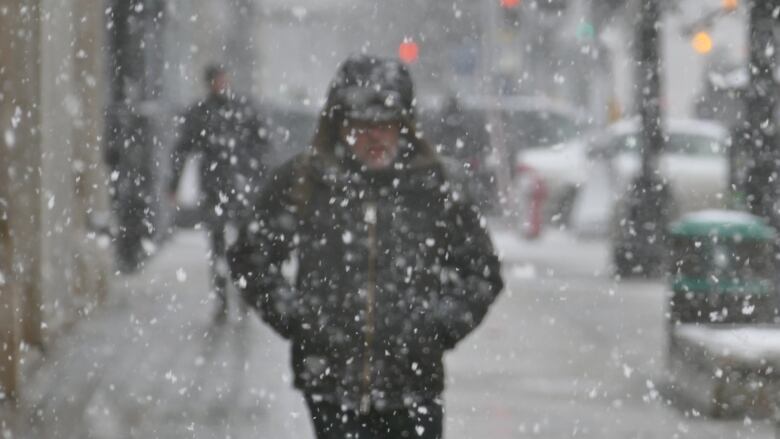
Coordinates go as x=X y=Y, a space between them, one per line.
x=408 y=51
x=510 y=3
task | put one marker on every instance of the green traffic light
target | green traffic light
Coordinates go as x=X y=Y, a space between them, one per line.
x=586 y=31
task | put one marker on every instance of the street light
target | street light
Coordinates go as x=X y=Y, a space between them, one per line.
x=508 y=4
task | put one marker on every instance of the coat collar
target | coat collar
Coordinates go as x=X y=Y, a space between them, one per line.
x=341 y=170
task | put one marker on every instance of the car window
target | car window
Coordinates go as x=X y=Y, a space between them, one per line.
x=525 y=129
x=624 y=143
x=694 y=145
x=688 y=144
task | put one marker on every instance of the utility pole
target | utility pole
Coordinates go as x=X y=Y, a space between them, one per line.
x=760 y=134
x=639 y=247
x=649 y=88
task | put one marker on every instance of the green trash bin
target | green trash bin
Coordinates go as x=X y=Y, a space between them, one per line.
x=722 y=269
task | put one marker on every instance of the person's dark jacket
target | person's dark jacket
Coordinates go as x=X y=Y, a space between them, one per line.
x=229 y=134
x=393 y=268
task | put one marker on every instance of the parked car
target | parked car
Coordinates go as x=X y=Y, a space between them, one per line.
x=585 y=179
x=473 y=130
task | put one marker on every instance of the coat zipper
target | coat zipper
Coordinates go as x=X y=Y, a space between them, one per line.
x=370 y=219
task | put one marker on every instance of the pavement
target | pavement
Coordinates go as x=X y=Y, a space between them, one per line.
x=566 y=352
x=150 y=364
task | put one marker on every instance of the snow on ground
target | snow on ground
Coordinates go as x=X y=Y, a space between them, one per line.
x=566 y=351
x=556 y=251
x=747 y=345
x=722 y=216
x=150 y=364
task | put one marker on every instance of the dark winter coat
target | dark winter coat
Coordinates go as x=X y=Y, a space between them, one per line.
x=393 y=268
x=231 y=138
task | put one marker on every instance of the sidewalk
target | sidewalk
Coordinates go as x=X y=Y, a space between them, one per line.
x=149 y=364
x=565 y=352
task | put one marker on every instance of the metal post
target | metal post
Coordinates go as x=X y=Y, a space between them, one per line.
x=490 y=54
x=649 y=87
x=488 y=48
x=639 y=246
x=761 y=185
x=134 y=135
x=758 y=138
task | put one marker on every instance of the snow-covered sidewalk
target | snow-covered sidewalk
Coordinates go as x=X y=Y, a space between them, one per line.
x=566 y=351
x=150 y=364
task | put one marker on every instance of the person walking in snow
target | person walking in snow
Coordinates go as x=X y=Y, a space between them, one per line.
x=392 y=263
x=229 y=135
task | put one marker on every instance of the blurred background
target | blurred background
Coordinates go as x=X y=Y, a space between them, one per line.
x=586 y=130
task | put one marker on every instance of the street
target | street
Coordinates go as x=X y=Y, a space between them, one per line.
x=566 y=352
x=569 y=352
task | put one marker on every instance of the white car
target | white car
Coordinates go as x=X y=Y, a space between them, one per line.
x=582 y=181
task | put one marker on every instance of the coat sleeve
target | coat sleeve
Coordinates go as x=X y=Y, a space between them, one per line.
x=474 y=275
x=264 y=244
x=189 y=138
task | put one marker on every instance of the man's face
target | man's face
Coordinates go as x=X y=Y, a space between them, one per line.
x=220 y=84
x=375 y=144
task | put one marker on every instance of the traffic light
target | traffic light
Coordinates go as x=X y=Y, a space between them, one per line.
x=510 y=11
x=702 y=42
x=730 y=5
x=586 y=31
x=408 y=51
